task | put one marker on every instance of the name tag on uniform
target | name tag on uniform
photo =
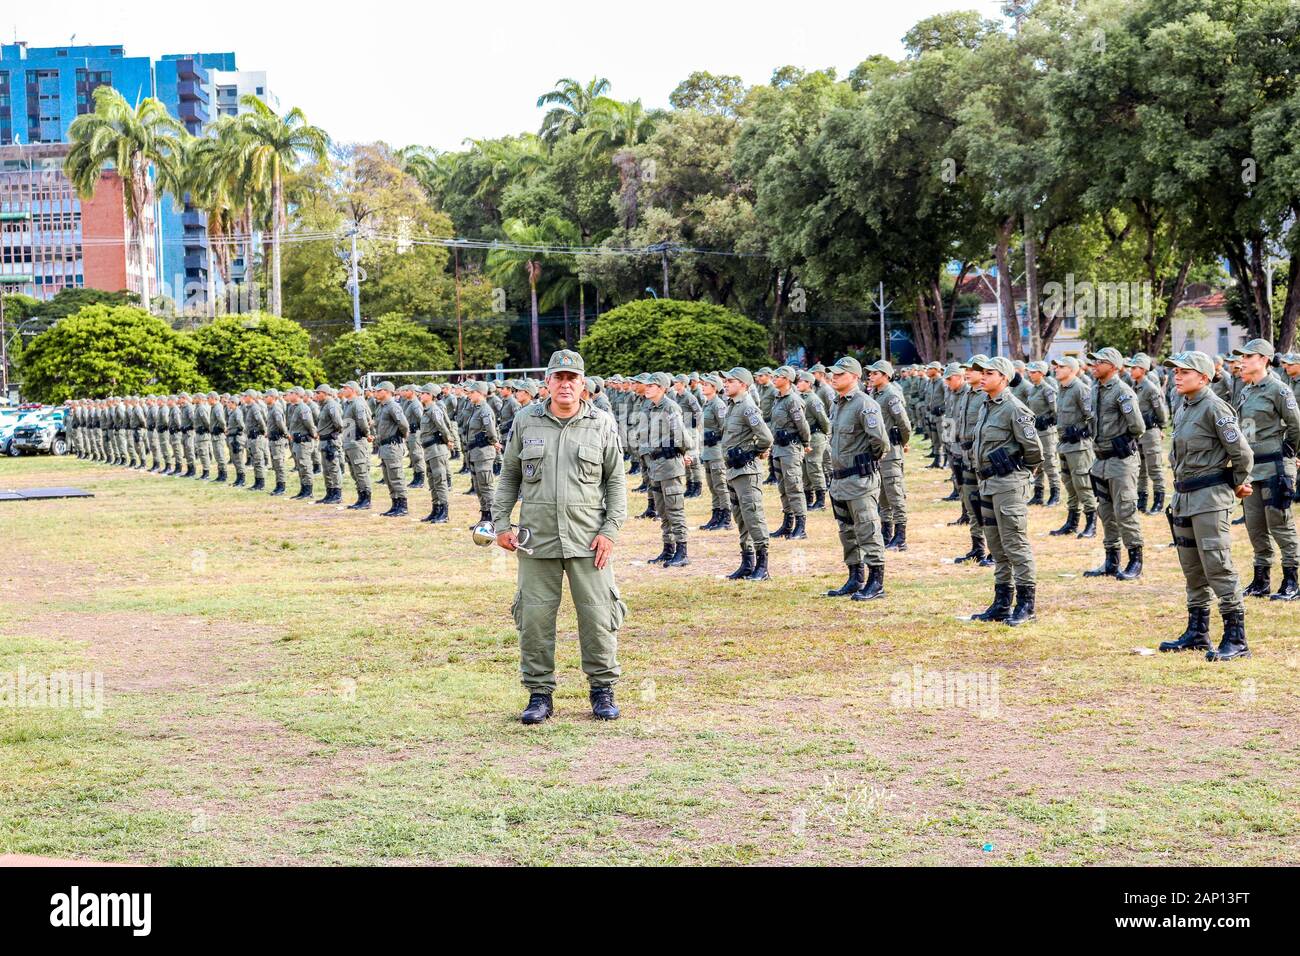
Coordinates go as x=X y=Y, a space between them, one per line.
x=534 y=441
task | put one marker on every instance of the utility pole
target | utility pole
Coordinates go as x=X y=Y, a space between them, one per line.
x=663 y=248
x=354 y=283
x=882 y=305
x=460 y=331
x=4 y=351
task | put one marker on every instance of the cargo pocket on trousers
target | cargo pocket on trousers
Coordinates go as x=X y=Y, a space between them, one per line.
x=516 y=612
x=617 y=609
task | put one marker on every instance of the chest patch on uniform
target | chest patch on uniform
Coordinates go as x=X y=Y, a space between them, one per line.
x=534 y=441
x=530 y=469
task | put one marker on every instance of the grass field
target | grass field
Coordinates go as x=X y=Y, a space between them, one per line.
x=290 y=683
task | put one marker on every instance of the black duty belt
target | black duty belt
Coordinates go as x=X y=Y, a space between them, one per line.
x=392 y=440
x=200 y=431
x=967 y=445
x=1203 y=481
x=864 y=466
x=1276 y=458
x=185 y=430
x=252 y=433
x=301 y=438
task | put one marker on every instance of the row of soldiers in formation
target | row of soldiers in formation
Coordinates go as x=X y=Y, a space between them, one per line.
x=1093 y=428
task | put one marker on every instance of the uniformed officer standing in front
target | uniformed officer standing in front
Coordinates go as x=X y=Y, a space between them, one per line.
x=1114 y=474
x=201 y=416
x=893 y=494
x=819 y=423
x=745 y=439
x=859 y=441
x=1005 y=453
x=413 y=410
x=391 y=427
x=1270 y=423
x=236 y=438
x=791 y=440
x=564 y=463
x=664 y=448
x=1212 y=464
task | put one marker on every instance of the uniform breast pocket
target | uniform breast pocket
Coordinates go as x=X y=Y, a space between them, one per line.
x=590 y=462
x=531 y=462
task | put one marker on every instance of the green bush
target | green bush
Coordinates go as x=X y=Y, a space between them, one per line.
x=672 y=336
x=392 y=344
x=109 y=350
x=256 y=350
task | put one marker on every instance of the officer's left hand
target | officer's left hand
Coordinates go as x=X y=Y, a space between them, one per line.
x=1244 y=490
x=602 y=546
x=807 y=449
x=687 y=460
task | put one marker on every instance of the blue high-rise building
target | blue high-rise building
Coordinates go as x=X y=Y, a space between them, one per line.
x=183 y=82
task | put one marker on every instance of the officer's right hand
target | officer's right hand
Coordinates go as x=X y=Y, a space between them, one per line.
x=508 y=540
x=1244 y=490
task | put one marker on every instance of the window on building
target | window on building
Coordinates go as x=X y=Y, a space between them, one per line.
x=261 y=91
x=1223 y=339
x=1070 y=322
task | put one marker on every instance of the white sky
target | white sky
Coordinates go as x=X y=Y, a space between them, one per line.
x=435 y=74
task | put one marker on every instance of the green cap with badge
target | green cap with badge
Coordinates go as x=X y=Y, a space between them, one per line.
x=1140 y=360
x=741 y=375
x=787 y=373
x=954 y=368
x=995 y=364
x=1196 y=361
x=565 y=360
x=1255 y=347
x=848 y=364
x=881 y=366
x=1108 y=354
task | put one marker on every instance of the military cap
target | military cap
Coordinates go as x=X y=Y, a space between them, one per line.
x=849 y=364
x=565 y=360
x=1069 y=361
x=740 y=374
x=819 y=367
x=679 y=377
x=954 y=368
x=1139 y=360
x=249 y=393
x=327 y=390
x=713 y=378
x=807 y=376
x=481 y=387
x=1196 y=361
x=1255 y=347
x=529 y=388
x=1038 y=367
x=432 y=388
x=1107 y=354
x=976 y=358
x=596 y=380
x=764 y=371
x=935 y=365
x=384 y=386
x=1291 y=358
x=213 y=395
x=882 y=366
x=787 y=373
x=659 y=378
x=996 y=364
x=356 y=385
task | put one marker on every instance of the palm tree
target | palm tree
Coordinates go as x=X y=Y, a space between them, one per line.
x=133 y=141
x=502 y=264
x=570 y=103
x=613 y=125
x=265 y=147
x=212 y=183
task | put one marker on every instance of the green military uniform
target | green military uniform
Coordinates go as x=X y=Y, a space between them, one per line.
x=791 y=434
x=236 y=440
x=217 y=433
x=201 y=417
x=712 y=413
x=1210 y=457
x=893 y=494
x=819 y=423
x=329 y=434
x=302 y=430
x=745 y=436
x=1270 y=424
x=966 y=414
x=414 y=411
x=1151 y=446
x=569 y=479
x=691 y=415
x=481 y=427
x=1004 y=455
x=1119 y=428
x=664 y=444
x=858 y=441
x=277 y=439
x=358 y=429
x=437 y=437
x=1074 y=419
x=1041 y=400
x=391 y=428
x=176 y=426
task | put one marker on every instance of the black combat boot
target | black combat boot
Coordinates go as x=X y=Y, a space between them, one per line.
x=663 y=555
x=649 y=509
x=799 y=532
x=808 y=498
x=955 y=494
x=204 y=476
x=852 y=585
x=819 y=501
x=1197 y=635
x=1054 y=498
x=1158 y=504
x=635 y=469
x=1071 y=524
x=362 y=503
x=1038 y=495
x=746 y=567
x=1024 y=612
x=1000 y=609
x=315 y=468
x=760 y=564
x=221 y=476
x=1142 y=502
x=875 y=586
x=539 y=708
x=787 y=522
x=886 y=533
x=1109 y=568
x=976 y=552
x=427 y=519
x=771 y=472
x=712 y=522
x=190 y=472
x=1260 y=585
x=238 y=482
x=305 y=491
x=724 y=524
x=1288 y=590
x=694 y=489
x=1233 y=644
x=441 y=517
x=417 y=481
x=398 y=510
x=680 y=558
x=1089 y=525
x=258 y=485
x=1133 y=570
x=899 y=541
x=602 y=703
x=279 y=489
x=644 y=486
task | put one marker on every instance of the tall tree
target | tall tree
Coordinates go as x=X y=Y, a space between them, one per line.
x=131 y=140
x=570 y=105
